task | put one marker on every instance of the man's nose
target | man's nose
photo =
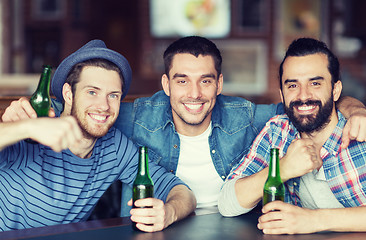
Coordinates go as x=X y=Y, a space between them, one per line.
x=103 y=103
x=304 y=93
x=195 y=91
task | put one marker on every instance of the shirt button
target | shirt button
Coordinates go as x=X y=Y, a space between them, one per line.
x=213 y=151
x=175 y=146
x=171 y=171
x=223 y=177
x=295 y=183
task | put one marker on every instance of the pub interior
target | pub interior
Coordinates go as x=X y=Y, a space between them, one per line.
x=251 y=34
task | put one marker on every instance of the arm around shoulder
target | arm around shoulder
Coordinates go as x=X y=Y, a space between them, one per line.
x=350 y=106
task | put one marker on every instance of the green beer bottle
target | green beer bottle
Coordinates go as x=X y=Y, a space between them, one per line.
x=143 y=186
x=274 y=188
x=40 y=100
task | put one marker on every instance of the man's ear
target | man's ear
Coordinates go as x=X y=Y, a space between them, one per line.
x=165 y=84
x=337 y=90
x=67 y=94
x=220 y=83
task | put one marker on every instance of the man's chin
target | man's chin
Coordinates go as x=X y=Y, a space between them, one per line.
x=197 y=120
x=96 y=133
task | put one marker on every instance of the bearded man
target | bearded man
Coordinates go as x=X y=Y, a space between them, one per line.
x=324 y=181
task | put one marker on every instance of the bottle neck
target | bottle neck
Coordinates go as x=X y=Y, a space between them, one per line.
x=44 y=82
x=143 y=168
x=274 y=169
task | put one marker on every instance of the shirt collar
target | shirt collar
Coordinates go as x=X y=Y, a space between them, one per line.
x=333 y=143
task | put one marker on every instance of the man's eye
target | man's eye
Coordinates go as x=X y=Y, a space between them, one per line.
x=315 y=83
x=292 y=86
x=182 y=81
x=114 y=96
x=206 y=81
x=92 y=93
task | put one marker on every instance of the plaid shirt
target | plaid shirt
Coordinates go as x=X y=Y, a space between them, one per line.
x=345 y=169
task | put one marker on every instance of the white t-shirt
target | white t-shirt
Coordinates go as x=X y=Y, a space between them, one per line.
x=196 y=169
x=315 y=193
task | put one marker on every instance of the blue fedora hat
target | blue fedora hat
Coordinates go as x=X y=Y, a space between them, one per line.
x=91 y=50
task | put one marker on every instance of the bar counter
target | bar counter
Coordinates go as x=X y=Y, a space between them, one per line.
x=210 y=226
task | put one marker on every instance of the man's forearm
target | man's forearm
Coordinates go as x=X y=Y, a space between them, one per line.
x=341 y=220
x=179 y=204
x=242 y=195
x=246 y=192
x=12 y=132
x=349 y=105
x=249 y=190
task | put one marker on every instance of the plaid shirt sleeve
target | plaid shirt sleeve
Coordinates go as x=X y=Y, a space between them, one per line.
x=258 y=156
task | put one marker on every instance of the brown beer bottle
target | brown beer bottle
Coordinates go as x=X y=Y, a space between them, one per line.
x=274 y=188
x=143 y=186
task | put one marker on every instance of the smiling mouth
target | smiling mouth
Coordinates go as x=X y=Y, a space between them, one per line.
x=194 y=107
x=306 y=109
x=98 y=117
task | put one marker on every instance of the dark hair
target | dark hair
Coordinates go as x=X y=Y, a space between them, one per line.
x=74 y=75
x=307 y=46
x=196 y=46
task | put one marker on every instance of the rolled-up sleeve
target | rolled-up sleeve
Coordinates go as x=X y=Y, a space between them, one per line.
x=228 y=203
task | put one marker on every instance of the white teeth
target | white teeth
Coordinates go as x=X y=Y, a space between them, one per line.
x=304 y=108
x=193 y=106
x=98 y=117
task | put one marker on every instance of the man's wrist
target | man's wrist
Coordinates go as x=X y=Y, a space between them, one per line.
x=170 y=215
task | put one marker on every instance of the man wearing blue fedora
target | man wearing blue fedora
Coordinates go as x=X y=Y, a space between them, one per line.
x=80 y=153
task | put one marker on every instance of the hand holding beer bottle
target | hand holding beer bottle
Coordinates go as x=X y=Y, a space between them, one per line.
x=40 y=99
x=274 y=188
x=143 y=186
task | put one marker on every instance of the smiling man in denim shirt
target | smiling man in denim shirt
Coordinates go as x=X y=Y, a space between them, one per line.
x=191 y=129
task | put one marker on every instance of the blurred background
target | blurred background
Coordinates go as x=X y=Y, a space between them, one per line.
x=251 y=34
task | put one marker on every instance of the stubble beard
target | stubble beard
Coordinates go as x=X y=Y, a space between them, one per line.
x=88 y=132
x=193 y=123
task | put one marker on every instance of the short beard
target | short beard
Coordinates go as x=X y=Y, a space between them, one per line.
x=194 y=123
x=86 y=133
x=310 y=123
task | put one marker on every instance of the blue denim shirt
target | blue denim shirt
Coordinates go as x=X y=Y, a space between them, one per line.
x=235 y=124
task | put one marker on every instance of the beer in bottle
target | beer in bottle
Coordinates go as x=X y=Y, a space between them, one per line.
x=143 y=186
x=274 y=188
x=40 y=100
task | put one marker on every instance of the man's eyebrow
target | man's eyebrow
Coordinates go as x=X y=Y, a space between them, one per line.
x=290 y=81
x=208 y=75
x=317 y=78
x=177 y=75
x=182 y=75
x=311 y=79
x=91 y=86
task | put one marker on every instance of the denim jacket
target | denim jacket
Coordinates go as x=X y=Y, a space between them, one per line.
x=235 y=124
